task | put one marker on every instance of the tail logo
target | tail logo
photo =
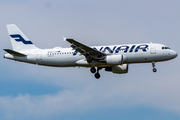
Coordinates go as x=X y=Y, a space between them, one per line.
x=19 y=38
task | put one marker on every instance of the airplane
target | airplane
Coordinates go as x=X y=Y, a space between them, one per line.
x=113 y=58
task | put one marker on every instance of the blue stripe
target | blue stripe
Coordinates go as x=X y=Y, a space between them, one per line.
x=20 y=39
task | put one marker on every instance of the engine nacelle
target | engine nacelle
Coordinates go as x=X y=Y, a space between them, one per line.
x=115 y=59
x=119 y=69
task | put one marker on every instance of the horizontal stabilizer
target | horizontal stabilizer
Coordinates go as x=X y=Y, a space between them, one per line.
x=14 y=53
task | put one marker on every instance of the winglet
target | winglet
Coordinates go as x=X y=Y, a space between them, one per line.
x=64 y=38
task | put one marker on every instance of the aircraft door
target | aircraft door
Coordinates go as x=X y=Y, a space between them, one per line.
x=153 y=49
x=39 y=56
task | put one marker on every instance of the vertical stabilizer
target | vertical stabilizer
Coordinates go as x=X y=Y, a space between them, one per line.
x=18 y=40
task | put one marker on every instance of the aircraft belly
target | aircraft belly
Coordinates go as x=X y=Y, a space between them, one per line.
x=144 y=58
x=139 y=58
x=60 y=61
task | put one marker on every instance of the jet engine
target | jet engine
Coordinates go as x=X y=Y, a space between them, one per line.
x=115 y=59
x=119 y=69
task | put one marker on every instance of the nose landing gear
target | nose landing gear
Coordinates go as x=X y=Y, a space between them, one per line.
x=153 y=65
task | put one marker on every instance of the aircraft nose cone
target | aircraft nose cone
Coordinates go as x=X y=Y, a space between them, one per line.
x=174 y=54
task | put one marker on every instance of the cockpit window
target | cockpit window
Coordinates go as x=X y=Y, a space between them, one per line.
x=166 y=48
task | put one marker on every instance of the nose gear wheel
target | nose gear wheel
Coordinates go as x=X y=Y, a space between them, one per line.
x=153 y=65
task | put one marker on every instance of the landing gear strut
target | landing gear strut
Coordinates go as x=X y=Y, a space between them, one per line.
x=96 y=75
x=154 y=69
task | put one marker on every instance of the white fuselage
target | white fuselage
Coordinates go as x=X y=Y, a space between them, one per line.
x=67 y=57
x=113 y=58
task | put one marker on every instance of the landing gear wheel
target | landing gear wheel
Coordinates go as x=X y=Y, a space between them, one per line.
x=154 y=70
x=97 y=75
x=153 y=65
x=93 y=69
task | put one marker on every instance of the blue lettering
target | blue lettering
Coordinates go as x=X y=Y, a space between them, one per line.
x=101 y=49
x=132 y=48
x=122 y=48
x=110 y=51
x=141 y=47
x=75 y=52
x=95 y=48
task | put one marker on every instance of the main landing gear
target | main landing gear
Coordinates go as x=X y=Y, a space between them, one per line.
x=154 y=69
x=96 y=75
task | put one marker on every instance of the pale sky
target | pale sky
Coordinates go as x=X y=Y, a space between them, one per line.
x=37 y=92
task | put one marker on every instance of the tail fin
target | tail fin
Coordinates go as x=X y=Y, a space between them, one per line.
x=18 y=40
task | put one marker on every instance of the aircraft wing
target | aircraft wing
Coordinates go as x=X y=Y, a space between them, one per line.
x=84 y=50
